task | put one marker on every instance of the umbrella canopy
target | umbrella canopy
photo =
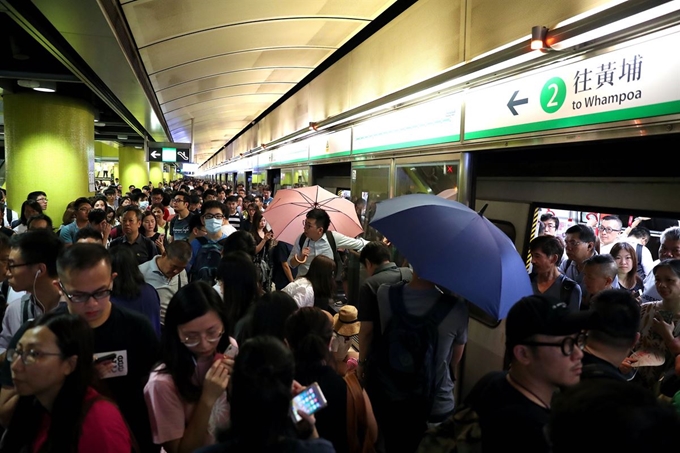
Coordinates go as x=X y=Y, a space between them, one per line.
x=286 y=213
x=453 y=246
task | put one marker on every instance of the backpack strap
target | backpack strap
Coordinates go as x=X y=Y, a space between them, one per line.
x=4 y=288
x=396 y=294
x=566 y=289
x=26 y=314
x=331 y=242
x=202 y=240
x=301 y=241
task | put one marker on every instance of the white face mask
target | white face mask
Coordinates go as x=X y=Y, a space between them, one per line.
x=213 y=225
x=143 y=205
x=340 y=346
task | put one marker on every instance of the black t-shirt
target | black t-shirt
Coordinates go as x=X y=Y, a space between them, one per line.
x=331 y=421
x=509 y=421
x=131 y=336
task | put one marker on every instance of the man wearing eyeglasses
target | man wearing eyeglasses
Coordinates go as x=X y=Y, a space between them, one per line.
x=544 y=345
x=610 y=230
x=40 y=197
x=31 y=268
x=579 y=244
x=68 y=233
x=85 y=280
x=179 y=225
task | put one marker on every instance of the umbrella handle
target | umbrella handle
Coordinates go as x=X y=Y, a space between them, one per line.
x=300 y=262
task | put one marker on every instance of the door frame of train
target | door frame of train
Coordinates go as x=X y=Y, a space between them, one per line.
x=486 y=339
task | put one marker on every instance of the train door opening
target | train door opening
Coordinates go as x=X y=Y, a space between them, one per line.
x=274 y=179
x=333 y=177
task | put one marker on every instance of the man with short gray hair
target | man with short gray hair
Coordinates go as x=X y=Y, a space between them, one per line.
x=167 y=272
x=600 y=272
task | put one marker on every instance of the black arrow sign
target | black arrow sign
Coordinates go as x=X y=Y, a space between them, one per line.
x=512 y=103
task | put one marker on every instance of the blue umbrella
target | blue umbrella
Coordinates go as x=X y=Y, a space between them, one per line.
x=457 y=248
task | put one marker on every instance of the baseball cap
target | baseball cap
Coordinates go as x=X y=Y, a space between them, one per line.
x=543 y=315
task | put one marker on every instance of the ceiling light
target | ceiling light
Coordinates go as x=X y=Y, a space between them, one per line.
x=538 y=34
x=122 y=137
x=99 y=124
x=46 y=87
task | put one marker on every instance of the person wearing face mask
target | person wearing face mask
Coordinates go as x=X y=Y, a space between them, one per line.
x=207 y=250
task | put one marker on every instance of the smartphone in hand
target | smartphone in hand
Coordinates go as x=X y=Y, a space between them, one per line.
x=309 y=401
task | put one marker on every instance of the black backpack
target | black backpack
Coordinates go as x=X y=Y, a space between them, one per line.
x=640 y=270
x=206 y=262
x=405 y=362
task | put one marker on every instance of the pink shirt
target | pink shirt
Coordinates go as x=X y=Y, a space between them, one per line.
x=104 y=430
x=170 y=414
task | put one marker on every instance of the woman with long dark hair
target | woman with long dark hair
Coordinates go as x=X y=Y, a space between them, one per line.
x=150 y=230
x=130 y=290
x=58 y=410
x=317 y=287
x=308 y=334
x=626 y=260
x=238 y=280
x=265 y=243
x=29 y=208
x=186 y=392
x=260 y=406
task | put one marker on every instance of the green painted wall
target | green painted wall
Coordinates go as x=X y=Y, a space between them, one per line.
x=156 y=173
x=49 y=146
x=133 y=167
x=104 y=150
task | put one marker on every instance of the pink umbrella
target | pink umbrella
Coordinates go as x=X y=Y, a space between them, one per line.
x=286 y=213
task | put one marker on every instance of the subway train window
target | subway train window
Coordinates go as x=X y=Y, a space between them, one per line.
x=292 y=178
x=369 y=186
x=610 y=226
x=435 y=178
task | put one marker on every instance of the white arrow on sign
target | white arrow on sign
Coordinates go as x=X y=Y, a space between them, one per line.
x=154 y=154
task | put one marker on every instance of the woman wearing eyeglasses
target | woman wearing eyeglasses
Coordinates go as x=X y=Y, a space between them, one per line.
x=58 y=410
x=185 y=394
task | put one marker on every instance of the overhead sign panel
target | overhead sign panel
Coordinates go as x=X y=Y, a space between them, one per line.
x=169 y=152
x=430 y=123
x=631 y=82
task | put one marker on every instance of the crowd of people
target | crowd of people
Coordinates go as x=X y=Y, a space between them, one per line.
x=169 y=318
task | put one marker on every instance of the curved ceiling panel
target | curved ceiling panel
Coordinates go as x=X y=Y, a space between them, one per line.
x=256 y=59
x=268 y=77
x=290 y=33
x=221 y=63
x=173 y=18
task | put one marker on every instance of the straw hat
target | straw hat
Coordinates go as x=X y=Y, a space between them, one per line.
x=345 y=322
